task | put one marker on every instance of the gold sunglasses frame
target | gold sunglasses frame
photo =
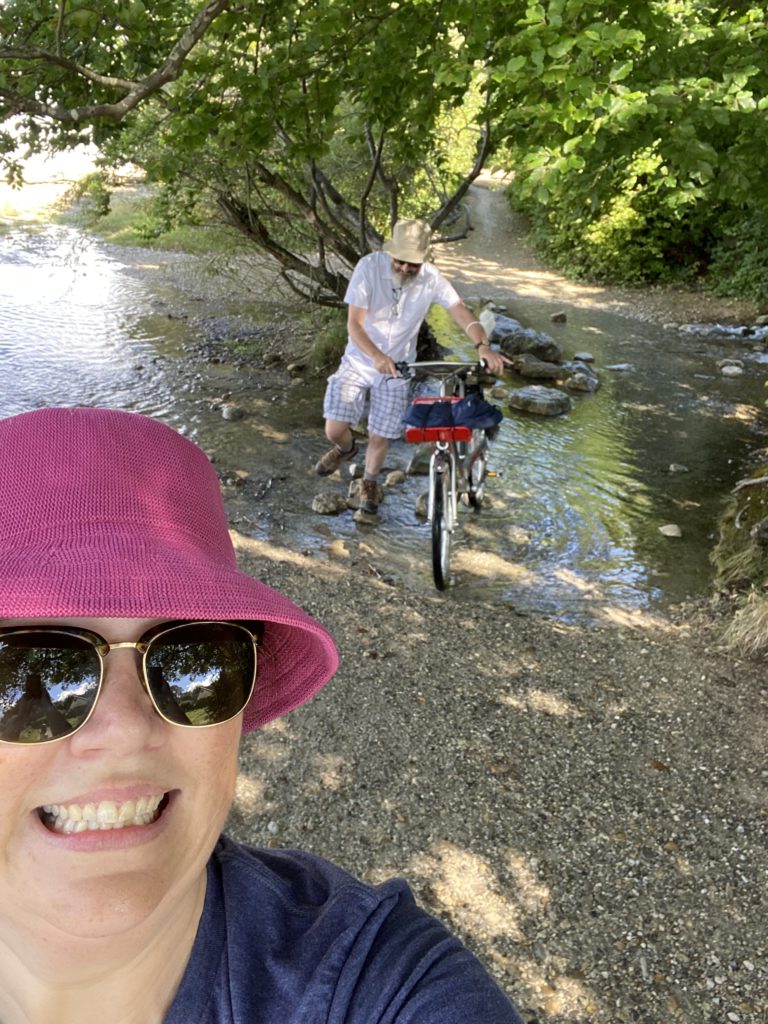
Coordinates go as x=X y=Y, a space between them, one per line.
x=142 y=646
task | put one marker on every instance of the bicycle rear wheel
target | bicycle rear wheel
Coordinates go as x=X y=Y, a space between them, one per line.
x=441 y=523
x=478 y=467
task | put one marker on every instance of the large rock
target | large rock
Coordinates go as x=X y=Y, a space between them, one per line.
x=532 y=368
x=513 y=339
x=540 y=400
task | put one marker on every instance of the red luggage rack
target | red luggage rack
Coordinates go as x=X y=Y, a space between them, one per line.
x=419 y=435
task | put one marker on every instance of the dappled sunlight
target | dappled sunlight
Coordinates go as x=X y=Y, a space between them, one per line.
x=250 y=797
x=464 y=886
x=577 y=582
x=743 y=412
x=539 y=700
x=274 y=553
x=273 y=753
x=560 y=996
x=634 y=618
x=331 y=770
x=531 y=894
x=273 y=434
x=488 y=564
x=339 y=549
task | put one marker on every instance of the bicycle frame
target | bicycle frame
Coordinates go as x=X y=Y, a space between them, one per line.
x=455 y=450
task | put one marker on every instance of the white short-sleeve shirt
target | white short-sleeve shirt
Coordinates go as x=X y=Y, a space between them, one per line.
x=394 y=314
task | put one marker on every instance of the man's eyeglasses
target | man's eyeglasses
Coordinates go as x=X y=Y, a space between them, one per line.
x=405 y=263
x=195 y=674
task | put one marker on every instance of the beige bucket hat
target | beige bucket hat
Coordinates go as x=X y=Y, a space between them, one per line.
x=410 y=241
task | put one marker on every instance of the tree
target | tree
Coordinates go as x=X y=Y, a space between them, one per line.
x=307 y=121
x=639 y=130
x=636 y=130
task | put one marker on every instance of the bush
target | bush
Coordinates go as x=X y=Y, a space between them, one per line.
x=740 y=258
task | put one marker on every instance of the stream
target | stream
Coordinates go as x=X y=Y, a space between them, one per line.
x=571 y=528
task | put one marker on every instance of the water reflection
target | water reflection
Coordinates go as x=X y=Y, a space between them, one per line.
x=573 y=521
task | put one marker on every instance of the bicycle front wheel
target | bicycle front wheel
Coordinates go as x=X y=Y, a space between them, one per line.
x=441 y=524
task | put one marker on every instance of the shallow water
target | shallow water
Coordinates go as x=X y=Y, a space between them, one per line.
x=572 y=524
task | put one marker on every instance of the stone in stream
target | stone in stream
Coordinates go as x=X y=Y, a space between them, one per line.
x=671 y=530
x=329 y=504
x=231 y=412
x=539 y=400
x=513 y=339
x=582 y=377
x=419 y=462
x=532 y=368
x=397 y=476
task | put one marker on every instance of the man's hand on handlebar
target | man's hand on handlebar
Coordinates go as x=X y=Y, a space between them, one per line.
x=383 y=364
x=495 y=361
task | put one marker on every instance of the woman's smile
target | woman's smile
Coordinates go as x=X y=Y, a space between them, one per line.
x=104 y=815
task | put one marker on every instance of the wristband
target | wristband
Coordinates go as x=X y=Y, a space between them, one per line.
x=478 y=344
x=472 y=324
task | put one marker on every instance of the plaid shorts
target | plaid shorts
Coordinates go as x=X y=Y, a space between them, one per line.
x=345 y=401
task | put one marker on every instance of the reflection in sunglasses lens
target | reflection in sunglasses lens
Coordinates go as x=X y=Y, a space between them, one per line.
x=201 y=674
x=48 y=683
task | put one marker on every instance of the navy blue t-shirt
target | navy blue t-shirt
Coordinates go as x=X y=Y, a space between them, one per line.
x=289 y=938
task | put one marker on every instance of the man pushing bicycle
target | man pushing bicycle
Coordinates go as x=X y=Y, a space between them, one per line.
x=388 y=297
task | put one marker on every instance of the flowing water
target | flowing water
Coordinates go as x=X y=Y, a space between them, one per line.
x=572 y=524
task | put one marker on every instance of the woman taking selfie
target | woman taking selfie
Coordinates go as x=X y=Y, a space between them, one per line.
x=133 y=655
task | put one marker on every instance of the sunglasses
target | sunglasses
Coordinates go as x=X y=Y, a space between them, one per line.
x=195 y=674
x=405 y=263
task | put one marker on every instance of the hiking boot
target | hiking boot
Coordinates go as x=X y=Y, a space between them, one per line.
x=369 y=497
x=333 y=458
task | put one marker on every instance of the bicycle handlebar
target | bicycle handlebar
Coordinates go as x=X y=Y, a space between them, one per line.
x=441 y=368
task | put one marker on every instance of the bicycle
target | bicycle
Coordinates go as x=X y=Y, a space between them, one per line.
x=458 y=464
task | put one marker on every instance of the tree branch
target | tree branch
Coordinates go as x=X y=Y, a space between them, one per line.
x=483 y=149
x=136 y=92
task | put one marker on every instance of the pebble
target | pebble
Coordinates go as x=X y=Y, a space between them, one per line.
x=671 y=530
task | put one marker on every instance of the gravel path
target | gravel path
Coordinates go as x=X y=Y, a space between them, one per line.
x=585 y=806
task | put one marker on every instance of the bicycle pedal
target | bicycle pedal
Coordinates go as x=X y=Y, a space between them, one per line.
x=495 y=472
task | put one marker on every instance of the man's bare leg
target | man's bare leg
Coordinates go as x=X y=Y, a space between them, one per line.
x=375 y=455
x=339 y=433
x=344 y=447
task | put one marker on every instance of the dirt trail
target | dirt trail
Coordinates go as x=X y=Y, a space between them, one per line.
x=496 y=262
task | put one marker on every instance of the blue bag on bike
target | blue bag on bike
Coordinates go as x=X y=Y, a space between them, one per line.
x=429 y=414
x=474 y=412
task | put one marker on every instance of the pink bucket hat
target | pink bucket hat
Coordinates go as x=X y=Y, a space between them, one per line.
x=112 y=514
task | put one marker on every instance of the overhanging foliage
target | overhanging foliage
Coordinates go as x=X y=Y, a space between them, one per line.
x=636 y=130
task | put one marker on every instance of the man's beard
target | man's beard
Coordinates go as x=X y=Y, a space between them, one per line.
x=402 y=280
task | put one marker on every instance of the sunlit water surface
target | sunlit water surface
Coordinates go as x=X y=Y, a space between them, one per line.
x=572 y=523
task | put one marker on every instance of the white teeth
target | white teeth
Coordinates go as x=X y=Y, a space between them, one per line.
x=107 y=814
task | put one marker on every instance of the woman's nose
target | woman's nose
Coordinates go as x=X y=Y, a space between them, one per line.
x=124 y=718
